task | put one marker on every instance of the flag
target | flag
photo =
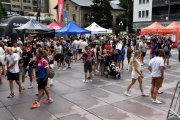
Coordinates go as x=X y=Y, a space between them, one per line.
x=60 y=9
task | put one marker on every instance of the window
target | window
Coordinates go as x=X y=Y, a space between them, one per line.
x=76 y=8
x=74 y=17
x=140 y=1
x=86 y=17
x=147 y=1
x=27 y=1
x=16 y=6
x=67 y=7
x=147 y=13
x=143 y=14
x=144 y=1
x=139 y=14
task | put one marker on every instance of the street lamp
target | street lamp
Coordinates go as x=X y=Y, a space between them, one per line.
x=121 y=26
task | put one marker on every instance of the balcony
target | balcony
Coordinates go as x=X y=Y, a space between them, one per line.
x=158 y=3
x=6 y=1
x=165 y=17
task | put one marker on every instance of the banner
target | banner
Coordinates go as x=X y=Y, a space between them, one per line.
x=60 y=9
x=66 y=17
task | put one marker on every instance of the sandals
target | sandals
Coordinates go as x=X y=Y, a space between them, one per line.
x=11 y=95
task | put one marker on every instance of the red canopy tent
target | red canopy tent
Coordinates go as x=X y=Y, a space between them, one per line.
x=54 y=26
x=152 y=29
x=171 y=28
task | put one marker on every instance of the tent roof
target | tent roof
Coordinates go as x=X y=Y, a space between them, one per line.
x=96 y=29
x=88 y=3
x=54 y=26
x=72 y=28
x=153 y=28
x=171 y=28
x=34 y=25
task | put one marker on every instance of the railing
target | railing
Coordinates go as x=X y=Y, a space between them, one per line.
x=165 y=2
x=165 y=17
x=160 y=2
x=174 y=110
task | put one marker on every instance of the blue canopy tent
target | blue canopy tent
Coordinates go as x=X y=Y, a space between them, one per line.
x=72 y=28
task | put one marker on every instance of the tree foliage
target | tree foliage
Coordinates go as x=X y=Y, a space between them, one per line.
x=2 y=10
x=101 y=12
x=127 y=16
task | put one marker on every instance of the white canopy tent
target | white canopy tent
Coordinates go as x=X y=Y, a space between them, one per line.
x=96 y=29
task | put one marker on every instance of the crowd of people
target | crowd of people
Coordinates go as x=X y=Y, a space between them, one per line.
x=100 y=54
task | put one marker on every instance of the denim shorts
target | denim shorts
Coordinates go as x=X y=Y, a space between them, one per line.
x=25 y=70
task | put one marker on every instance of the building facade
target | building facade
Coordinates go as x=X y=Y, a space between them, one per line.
x=79 y=11
x=149 y=11
x=25 y=7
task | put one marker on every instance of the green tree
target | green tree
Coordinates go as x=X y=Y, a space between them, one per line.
x=127 y=16
x=2 y=10
x=101 y=12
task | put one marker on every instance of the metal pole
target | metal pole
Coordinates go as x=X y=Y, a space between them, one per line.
x=169 y=8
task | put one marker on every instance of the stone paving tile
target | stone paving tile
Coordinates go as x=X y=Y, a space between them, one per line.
x=109 y=112
x=165 y=98
x=5 y=114
x=78 y=84
x=62 y=89
x=106 y=96
x=61 y=107
x=18 y=99
x=80 y=115
x=23 y=112
x=84 y=101
x=143 y=111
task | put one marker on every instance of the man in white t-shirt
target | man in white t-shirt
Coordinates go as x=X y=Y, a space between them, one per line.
x=16 y=49
x=13 y=70
x=83 y=44
x=75 y=46
x=156 y=67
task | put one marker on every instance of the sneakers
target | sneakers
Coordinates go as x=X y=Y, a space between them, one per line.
x=50 y=100
x=51 y=82
x=127 y=93
x=144 y=94
x=85 y=81
x=64 y=68
x=160 y=92
x=30 y=86
x=35 y=105
x=11 y=95
x=157 y=101
x=90 y=80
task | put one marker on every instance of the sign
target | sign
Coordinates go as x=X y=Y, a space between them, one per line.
x=60 y=9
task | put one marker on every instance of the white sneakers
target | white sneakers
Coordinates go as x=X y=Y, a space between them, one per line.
x=30 y=86
x=156 y=101
x=88 y=80
x=127 y=93
x=144 y=94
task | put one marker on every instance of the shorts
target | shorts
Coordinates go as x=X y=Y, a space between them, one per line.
x=79 y=51
x=87 y=67
x=12 y=76
x=41 y=83
x=75 y=52
x=59 y=57
x=143 y=54
x=157 y=82
x=24 y=70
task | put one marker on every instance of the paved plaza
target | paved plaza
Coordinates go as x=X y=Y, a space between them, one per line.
x=103 y=99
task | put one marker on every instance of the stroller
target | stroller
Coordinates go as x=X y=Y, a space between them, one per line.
x=112 y=70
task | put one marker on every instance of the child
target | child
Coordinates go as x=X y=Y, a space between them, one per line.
x=68 y=58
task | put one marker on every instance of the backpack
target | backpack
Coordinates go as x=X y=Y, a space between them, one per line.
x=166 y=49
x=130 y=66
x=89 y=58
x=51 y=72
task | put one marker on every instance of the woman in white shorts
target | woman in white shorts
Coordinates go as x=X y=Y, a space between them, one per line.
x=136 y=74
